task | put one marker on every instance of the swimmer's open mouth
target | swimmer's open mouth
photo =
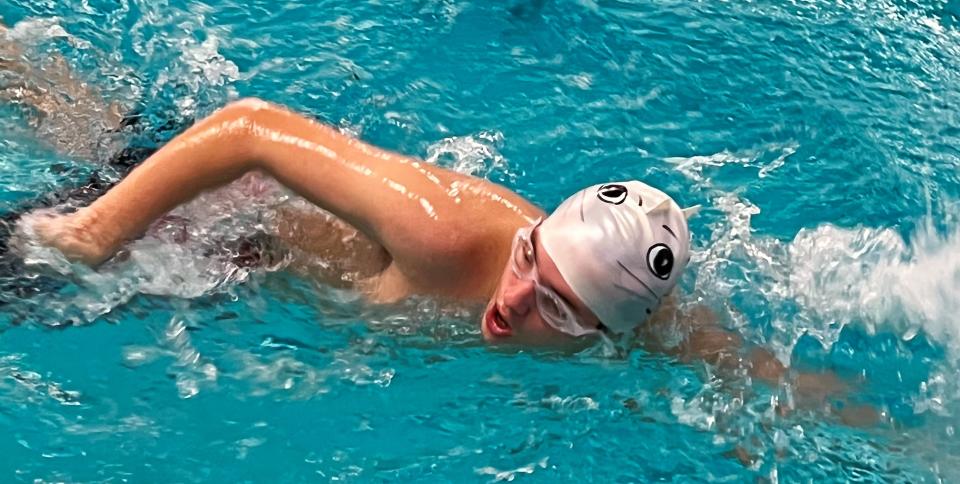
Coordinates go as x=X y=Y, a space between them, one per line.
x=496 y=325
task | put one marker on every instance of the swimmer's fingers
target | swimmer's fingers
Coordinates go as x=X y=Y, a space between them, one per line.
x=50 y=229
x=26 y=239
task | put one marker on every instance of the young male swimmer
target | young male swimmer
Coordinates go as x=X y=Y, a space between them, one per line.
x=604 y=260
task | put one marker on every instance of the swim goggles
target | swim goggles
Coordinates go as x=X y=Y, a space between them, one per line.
x=554 y=310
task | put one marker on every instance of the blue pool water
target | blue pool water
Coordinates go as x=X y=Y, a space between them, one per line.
x=821 y=137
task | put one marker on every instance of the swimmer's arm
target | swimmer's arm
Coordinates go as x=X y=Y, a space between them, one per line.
x=726 y=351
x=401 y=203
x=59 y=100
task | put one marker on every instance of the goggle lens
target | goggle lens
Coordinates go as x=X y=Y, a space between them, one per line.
x=555 y=312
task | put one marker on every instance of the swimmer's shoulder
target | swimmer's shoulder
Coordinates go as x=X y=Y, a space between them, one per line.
x=465 y=266
x=460 y=252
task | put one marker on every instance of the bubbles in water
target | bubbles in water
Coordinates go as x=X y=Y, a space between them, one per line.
x=511 y=474
x=279 y=373
x=766 y=158
x=29 y=385
x=54 y=95
x=37 y=30
x=828 y=277
x=582 y=80
x=203 y=67
x=190 y=368
x=195 y=77
x=476 y=155
x=191 y=252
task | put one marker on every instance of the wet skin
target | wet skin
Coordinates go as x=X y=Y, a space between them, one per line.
x=441 y=233
x=512 y=316
x=436 y=232
x=67 y=113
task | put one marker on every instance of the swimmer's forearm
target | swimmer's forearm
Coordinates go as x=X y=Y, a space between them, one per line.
x=210 y=154
x=406 y=206
x=67 y=113
x=807 y=389
x=726 y=351
x=811 y=389
x=707 y=340
x=244 y=136
x=730 y=356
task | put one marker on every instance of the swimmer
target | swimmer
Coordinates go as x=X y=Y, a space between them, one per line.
x=603 y=263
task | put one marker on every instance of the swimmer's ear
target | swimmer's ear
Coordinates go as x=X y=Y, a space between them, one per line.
x=690 y=212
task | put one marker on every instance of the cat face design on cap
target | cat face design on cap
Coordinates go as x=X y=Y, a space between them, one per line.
x=659 y=260
x=613 y=193
x=621 y=247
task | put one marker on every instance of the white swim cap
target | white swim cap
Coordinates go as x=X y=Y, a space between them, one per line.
x=621 y=247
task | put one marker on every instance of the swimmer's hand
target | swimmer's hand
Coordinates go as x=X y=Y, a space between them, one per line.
x=67 y=233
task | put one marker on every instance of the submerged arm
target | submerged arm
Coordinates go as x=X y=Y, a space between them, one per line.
x=704 y=339
x=68 y=113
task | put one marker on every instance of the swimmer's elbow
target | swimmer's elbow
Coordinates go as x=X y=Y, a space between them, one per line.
x=239 y=122
x=247 y=106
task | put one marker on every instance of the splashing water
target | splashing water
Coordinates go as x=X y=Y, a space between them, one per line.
x=471 y=155
x=811 y=133
x=195 y=72
x=828 y=277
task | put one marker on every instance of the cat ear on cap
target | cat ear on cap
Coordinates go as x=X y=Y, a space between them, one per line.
x=661 y=207
x=690 y=212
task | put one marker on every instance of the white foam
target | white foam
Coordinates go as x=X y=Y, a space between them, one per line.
x=874 y=277
x=828 y=277
x=766 y=159
x=511 y=474
x=38 y=30
x=197 y=75
x=180 y=256
x=476 y=155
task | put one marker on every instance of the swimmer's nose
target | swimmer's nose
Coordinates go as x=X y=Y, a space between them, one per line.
x=518 y=298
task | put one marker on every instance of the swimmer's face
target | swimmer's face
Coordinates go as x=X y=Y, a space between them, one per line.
x=513 y=316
